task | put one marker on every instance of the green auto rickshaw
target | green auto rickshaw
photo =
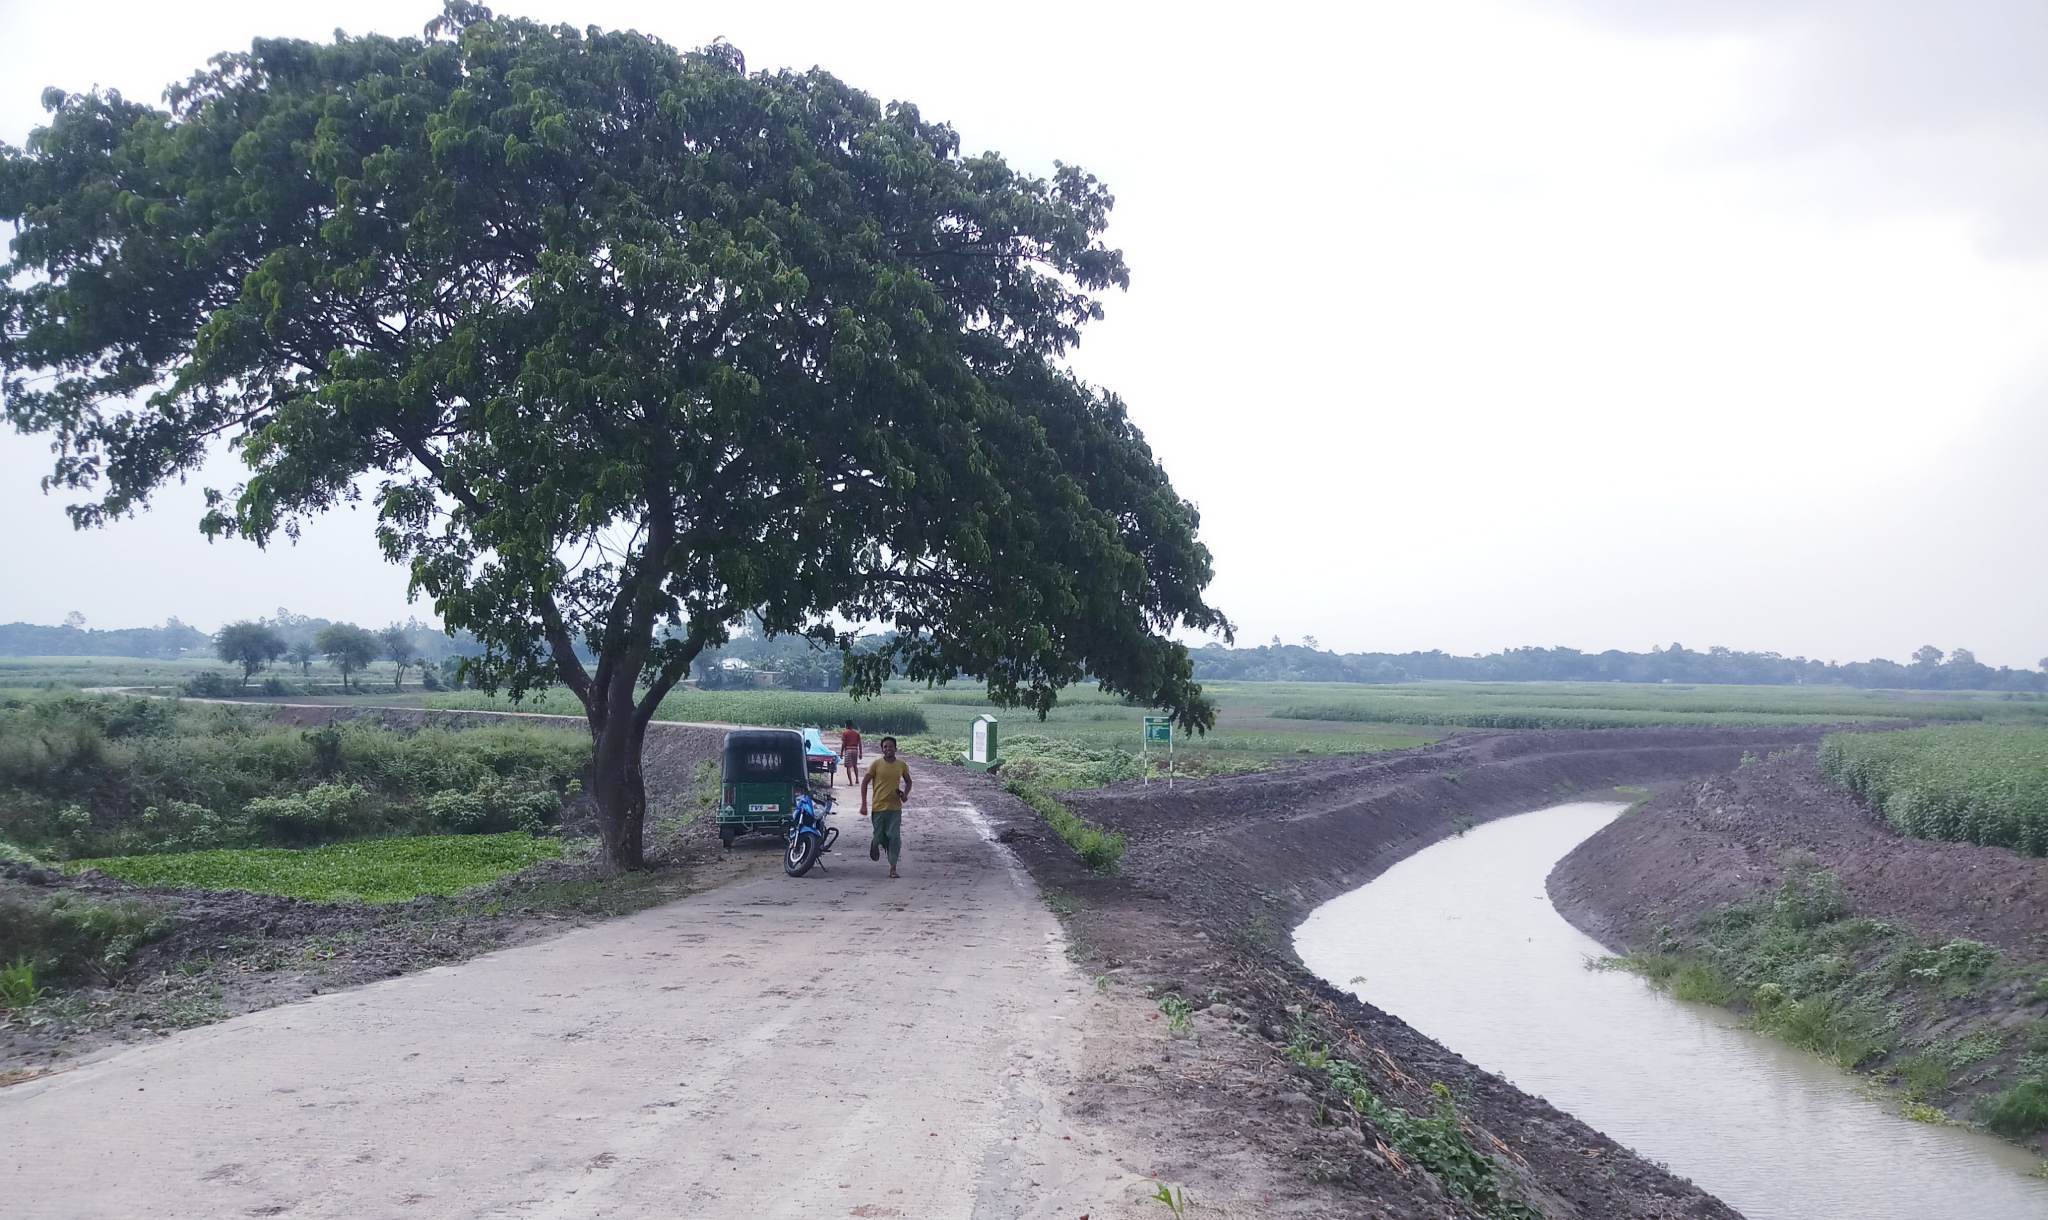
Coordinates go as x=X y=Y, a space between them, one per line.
x=762 y=770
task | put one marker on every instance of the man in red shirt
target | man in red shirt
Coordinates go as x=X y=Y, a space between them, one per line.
x=849 y=751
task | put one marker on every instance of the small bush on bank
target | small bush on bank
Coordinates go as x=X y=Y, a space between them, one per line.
x=66 y=938
x=2017 y=1112
x=210 y=685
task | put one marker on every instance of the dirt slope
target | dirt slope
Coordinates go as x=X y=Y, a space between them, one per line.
x=1219 y=871
x=1726 y=840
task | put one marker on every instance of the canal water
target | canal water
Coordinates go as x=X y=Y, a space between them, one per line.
x=1461 y=942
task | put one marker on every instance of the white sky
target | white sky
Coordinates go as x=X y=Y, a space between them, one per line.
x=1467 y=325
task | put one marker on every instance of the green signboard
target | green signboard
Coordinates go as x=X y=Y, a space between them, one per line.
x=1159 y=730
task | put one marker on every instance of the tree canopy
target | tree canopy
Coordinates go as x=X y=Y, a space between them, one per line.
x=626 y=345
x=249 y=644
x=348 y=648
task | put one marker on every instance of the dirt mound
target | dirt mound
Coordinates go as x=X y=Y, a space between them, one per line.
x=1219 y=870
x=1726 y=840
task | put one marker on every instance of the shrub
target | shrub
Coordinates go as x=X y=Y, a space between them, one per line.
x=1808 y=898
x=18 y=988
x=324 y=811
x=2019 y=1111
x=494 y=806
x=65 y=937
x=210 y=685
x=1954 y=965
x=275 y=686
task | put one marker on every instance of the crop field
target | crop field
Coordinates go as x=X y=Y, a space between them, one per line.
x=17 y=673
x=1977 y=783
x=1586 y=705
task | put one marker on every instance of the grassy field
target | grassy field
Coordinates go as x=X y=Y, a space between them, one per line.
x=101 y=775
x=169 y=677
x=1975 y=783
x=367 y=870
x=1090 y=737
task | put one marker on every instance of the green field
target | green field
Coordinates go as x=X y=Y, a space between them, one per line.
x=1587 y=705
x=107 y=775
x=1087 y=736
x=1973 y=783
x=323 y=685
x=368 y=870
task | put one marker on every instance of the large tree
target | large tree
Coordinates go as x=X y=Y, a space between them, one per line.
x=399 y=646
x=627 y=345
x=348 y=648
x=249 y=644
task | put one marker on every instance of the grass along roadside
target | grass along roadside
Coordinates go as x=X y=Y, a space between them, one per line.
x=1102 y=850
x=1955 y=1031
x=365 y=870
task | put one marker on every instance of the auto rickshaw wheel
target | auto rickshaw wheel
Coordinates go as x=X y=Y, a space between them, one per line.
x=726 y=834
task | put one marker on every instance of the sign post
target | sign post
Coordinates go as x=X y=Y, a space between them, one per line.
x=1159 y=730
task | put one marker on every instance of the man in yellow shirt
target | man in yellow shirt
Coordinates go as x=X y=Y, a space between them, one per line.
x=889 y=776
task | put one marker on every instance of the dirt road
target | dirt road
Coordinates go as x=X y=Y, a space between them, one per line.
x=836 y=1045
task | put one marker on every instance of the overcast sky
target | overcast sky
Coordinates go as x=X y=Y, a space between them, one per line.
x=1467 y=325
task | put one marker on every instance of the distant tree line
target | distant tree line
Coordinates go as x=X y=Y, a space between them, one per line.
x=73 y=639
x=1928 y=669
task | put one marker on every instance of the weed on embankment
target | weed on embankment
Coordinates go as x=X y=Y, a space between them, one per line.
x=1977 y=784
x=1102 y=850
x=58 y=938
x=1929 y=1019
x=1436 y=1141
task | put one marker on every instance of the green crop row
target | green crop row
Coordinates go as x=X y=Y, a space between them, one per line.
x=1977 y=784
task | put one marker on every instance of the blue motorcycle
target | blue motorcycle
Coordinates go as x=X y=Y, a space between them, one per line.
x=808 y=836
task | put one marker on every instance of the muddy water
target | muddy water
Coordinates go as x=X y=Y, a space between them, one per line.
x=1461 y=942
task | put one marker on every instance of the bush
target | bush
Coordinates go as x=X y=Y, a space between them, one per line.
x=495 y=806
x=275 y=686
x=2019 y=1111
x=324 y=811
x=68 y=938
x=210 y=685
x=1809 y=898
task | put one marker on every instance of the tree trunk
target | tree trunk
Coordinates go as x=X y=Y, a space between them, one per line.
x=619 y=791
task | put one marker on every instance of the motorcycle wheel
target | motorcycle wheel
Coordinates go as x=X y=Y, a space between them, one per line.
x=801 y=853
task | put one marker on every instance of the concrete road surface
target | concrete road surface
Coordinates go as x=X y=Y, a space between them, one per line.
x=836 y=1045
